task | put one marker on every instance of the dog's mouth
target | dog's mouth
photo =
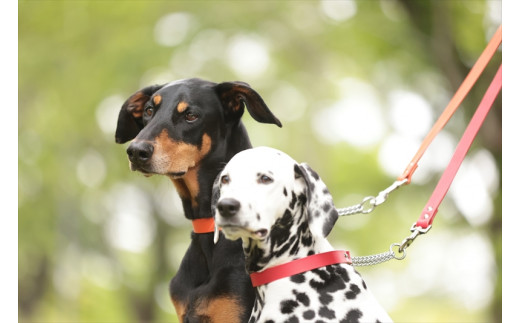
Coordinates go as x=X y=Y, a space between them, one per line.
x=176 y=175
x=146 y=172
x=236 y=231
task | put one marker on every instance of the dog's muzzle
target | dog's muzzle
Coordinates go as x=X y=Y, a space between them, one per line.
x=139 y=154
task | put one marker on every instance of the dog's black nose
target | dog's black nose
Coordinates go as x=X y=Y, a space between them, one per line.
x=140 y=152
x=228 y=207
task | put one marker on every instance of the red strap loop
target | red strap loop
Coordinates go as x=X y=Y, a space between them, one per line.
x=299 y=266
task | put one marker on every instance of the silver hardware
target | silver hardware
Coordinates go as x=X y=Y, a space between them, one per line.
x=389 y=255
x=369 y=203
x=415 y=232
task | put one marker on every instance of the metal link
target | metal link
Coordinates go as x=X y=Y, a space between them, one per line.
x=369 y=203
x=383 y=195
x=379 y=258
x=416 y=231
x=389 y=255
x=373 y=259
x=359 y=208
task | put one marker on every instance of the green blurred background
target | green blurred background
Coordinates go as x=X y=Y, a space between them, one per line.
x=356 y=84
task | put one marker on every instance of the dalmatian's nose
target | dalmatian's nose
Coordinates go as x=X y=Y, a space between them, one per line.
x=228 y=207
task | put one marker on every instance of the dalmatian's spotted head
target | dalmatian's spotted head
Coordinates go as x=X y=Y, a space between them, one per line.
x=274 y=204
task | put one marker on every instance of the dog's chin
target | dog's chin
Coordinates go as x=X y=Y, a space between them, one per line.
x=141 y=170
x=234 y=232
x=147 y=172
x=176 y=175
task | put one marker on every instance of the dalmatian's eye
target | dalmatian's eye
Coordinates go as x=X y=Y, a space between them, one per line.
x=264 y=179
x=224 y=179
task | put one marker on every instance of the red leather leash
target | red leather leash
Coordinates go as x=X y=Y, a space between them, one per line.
x=299 y=266
x=430 y=210
x=455 y=102
x=370 y=202
x=424 y=223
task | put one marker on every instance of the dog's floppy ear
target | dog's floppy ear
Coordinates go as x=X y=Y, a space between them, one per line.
x=234 y=95
x=321 y=212
x=130 y=120
x=215 y=194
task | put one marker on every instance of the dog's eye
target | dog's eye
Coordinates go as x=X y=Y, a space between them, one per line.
x=224 y=179
x=149 y=111
x=264 y=179
x=190 y=117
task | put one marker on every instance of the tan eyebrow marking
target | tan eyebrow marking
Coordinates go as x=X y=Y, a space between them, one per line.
x=182 y=106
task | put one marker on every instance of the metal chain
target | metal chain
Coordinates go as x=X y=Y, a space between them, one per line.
x=389 y=255
x=358 y=208
x=369 y=203
x=377 y=259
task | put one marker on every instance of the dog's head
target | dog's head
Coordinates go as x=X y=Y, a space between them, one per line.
x=263 y=194
x=175 y=125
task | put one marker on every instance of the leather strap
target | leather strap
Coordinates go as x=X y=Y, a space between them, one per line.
x=430 y=210
x=452 y=106
x=299 y=266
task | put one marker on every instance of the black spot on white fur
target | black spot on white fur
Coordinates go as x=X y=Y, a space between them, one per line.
x=326 y=313
x=302 y=298
x=309 y=314
x=333 y=293
x=288 y=306
x=353 y=316
x=353 y=292
x=298 y=279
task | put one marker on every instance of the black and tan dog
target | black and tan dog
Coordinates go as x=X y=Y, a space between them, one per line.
x=188 y=130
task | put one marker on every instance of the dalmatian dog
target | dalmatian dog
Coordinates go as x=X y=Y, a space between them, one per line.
x=283 y=211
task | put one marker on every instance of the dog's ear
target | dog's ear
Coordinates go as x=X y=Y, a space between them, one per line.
x=321 y=212
x=130 y=120
x=234 y=95
x=215 y=195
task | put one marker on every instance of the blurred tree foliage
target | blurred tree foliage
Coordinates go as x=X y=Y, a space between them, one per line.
x=98 y=243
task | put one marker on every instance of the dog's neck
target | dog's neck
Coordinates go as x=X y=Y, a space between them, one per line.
x=188 y=189
x=290 y=238
x=195 y=187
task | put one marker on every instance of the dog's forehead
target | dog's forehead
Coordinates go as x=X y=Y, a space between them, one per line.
x=188 y=88
x=261 y=159
x=189 y=82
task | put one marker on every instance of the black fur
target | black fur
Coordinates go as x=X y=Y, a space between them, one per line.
x=207 y=271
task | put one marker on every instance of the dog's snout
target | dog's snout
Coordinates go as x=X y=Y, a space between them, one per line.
x=228 y=207
x=140 y=152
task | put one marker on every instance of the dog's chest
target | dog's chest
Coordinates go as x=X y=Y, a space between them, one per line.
x=334 y=293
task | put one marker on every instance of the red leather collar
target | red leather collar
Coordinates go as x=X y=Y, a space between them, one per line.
x=299 y=266
x=204 y=225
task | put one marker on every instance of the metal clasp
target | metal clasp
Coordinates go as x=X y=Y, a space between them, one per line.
x=416 y=231
x=369 y=203
x=383 y=195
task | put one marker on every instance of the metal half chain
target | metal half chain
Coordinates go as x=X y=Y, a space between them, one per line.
x=369 y=203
